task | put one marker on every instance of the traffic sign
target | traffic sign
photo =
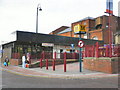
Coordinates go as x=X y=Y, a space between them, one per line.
x=80 y=44
x=72 y=45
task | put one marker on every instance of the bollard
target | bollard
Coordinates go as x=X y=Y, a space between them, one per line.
x=46 y=64
x=54 y=61
x=64 y=61
x=41 y=63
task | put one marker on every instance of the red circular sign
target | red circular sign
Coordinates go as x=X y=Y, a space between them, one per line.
x=80 y=44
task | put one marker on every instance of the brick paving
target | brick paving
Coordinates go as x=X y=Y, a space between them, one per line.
x=72 y=72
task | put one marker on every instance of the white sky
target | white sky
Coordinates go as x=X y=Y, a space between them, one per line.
x=21 y=14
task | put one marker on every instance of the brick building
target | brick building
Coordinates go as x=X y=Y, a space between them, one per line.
x=60 y=29
x=96 y=28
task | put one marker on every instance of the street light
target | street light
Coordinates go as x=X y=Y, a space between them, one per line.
x=38 y=9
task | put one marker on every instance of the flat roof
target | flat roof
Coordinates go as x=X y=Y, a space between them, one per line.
x=30 y=37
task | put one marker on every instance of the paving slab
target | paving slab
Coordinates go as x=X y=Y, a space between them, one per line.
x=72 y=71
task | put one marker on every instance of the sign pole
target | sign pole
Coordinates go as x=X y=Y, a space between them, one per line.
x=80 y=54
x=80 y=29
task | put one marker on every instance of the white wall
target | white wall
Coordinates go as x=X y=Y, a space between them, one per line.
x=57 y=49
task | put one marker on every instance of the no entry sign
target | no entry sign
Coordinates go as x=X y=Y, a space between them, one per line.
x=80 y=44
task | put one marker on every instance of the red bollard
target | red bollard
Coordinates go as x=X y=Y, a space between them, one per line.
x=65 y=62
x=46 y=64
x=54 y=61
x=41 y=63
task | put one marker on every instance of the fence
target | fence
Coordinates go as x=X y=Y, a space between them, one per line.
x=47 y=55
x=89 y=51
x=50 y=55
x=101 y=51
x=16 y=56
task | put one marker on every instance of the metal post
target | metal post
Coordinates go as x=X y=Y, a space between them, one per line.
x=80 y=55
x=54 y=61
x=65 y=62
x=110 y=39
x=36 y=31
x=38 y=8
x=41 y=63
x=46 y=64
x=37 y=21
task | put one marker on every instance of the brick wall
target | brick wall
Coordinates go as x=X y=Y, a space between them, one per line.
x=68 y=34
x=90 y=28
x=15 y=61
x=102 y=64
x=50 y=62
x=96 y=33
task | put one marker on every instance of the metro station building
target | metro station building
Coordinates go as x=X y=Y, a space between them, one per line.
x=28 y=42
x=60 y=40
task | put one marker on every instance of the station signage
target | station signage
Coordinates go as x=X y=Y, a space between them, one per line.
x=48 y=44
x=79 y=29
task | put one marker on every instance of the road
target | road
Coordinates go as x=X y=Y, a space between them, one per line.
x=11 y=80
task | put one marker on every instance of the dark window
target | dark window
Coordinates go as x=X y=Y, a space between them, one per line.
x=72 y=51
x=61 y=50
x=99 y=26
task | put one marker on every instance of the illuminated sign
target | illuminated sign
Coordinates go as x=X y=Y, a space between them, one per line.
x=48 y=44
x=80 y=29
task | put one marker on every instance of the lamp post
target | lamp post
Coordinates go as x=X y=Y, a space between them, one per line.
x=38 y=9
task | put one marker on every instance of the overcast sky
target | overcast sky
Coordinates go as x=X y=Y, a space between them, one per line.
x=21 y=14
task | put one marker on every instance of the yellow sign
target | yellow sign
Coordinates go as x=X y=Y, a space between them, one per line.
x=79 y=28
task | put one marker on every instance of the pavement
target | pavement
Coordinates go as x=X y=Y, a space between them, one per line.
x=72 y=72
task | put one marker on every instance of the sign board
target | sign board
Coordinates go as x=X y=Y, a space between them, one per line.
x=48 y=44
x=72 y=45
x=1 y=51
x=79 y=29
x=80 y=44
